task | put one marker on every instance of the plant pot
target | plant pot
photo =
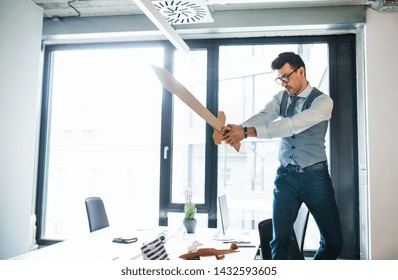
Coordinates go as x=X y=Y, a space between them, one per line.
x=190 y=225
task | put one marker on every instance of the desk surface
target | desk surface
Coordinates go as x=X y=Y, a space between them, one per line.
x=98 y=245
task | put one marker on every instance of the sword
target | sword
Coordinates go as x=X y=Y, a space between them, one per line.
x=175 y=87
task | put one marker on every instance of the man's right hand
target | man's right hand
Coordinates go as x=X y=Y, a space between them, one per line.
x=232 y=134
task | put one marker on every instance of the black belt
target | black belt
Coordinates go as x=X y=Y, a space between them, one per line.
x=315 y=167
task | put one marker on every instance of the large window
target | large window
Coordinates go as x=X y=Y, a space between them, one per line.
x=246 y=85
x=189 y=135
x=110 y=129
x=103 y=138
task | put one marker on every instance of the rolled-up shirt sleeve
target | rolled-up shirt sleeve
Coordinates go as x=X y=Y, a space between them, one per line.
x=268 y=124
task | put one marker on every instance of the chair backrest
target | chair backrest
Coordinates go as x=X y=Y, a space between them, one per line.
x=297 y=242
x=96 y=213
x=154 y=250
x=265 y=231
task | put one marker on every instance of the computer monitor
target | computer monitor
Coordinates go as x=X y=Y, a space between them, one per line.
x=225 y=221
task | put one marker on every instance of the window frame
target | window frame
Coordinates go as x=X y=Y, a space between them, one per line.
x=343 y=128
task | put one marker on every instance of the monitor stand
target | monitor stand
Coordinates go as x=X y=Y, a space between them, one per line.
x=219 y=236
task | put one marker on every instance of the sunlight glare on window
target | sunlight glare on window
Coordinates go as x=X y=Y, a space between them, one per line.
x=104 y=137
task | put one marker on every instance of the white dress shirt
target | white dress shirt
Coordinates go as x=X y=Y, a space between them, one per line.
x=268 y=124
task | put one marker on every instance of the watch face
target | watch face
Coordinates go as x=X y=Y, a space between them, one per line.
x=184 y=12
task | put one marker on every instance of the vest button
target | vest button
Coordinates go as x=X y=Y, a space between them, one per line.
x=293 y=147
x=293 y=137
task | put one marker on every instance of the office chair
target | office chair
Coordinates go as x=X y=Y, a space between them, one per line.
x=265 y=231
x=96 y=213
x=297 y=242
x=154 y=250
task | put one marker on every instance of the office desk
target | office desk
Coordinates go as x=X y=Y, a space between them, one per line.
x=98 y=245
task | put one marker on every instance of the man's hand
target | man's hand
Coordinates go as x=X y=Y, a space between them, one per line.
x=232 y=134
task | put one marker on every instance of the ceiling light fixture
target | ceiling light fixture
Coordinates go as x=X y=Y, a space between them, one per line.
x=184 y=12
x=156 y=17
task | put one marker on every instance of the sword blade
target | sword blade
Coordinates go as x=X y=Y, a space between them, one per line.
x=175 y=87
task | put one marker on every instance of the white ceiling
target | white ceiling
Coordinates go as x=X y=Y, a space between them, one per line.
x=87 y=8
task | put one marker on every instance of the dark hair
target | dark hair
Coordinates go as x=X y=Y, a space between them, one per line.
x=287 y=57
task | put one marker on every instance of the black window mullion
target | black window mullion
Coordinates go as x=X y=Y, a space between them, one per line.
x=211 y=172
x=165 y=182
x=344 y=140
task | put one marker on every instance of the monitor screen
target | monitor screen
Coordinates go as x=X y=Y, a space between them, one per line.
x=224 y=213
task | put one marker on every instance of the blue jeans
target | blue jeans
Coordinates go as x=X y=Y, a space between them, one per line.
x=315 y=189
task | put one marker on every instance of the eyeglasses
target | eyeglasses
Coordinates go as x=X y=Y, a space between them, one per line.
x=284 y=78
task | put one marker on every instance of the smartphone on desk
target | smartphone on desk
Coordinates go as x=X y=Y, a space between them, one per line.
x=124 y=240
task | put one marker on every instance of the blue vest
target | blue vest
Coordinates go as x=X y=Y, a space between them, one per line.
x=307 y=147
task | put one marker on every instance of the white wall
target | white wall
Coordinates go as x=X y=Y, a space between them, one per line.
x=20 y=33
x=382 y=92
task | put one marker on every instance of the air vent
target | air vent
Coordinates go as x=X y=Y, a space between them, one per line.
x=385 y=5
x=184 y=12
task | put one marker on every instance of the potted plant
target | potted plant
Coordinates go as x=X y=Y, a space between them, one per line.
x=189 y=212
